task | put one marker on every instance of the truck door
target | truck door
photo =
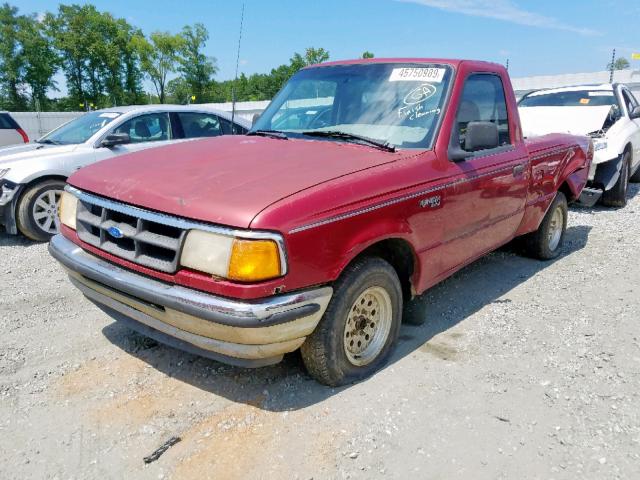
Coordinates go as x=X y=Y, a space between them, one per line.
x=491 y=181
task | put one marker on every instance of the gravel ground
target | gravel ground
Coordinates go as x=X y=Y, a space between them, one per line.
x=524 y=369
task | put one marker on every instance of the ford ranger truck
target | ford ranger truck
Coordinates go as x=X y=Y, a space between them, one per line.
x=361 y=185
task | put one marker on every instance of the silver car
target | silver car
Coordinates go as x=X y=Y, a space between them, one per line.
x=32 y=176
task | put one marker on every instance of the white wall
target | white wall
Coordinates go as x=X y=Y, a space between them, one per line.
x=36 y=124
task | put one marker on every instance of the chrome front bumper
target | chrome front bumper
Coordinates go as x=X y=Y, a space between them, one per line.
x=248 y=333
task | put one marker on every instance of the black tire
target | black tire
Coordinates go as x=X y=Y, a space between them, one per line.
x=415 y=311
x=617 y=196
x=539 y=244
x=25 y=219
x=324 y=352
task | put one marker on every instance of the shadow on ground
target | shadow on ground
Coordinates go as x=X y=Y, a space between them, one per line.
x=7 y=240
x=287 y=386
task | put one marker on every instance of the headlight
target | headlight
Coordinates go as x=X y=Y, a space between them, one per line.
x=4 y=171
x=68 y=208
x=599 y=146
x=240 y=259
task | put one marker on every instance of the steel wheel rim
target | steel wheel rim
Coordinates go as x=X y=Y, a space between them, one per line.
x=45 y=211
x=367 y=326
x=555 y=228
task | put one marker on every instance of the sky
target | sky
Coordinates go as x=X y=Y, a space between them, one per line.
x=538 y=37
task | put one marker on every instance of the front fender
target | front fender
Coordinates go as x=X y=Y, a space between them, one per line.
x=375 y=233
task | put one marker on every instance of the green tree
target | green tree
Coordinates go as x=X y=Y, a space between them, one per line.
x=197 y=69
x=178 y=91
x=11 y=60
x=40 y=61
x=311 y=57
x=99 y=60
x=620 y=64
x=367 y=54
x=159 y=58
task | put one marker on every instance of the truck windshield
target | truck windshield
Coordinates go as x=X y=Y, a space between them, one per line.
x=571 y=98
x=80 y=129
x=394 y=104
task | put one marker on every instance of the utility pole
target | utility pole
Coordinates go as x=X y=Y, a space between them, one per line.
x=613 y=61
x=507 y=65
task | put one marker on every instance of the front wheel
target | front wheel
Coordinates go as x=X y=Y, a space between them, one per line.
x=360 y=326
x=546 y=242
x=37 y=212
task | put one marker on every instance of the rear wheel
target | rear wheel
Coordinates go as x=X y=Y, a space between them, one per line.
x=360 y=326
x=546 y=242
x=617 y=196
x=37 y=212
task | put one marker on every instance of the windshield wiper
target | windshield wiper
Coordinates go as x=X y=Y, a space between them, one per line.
x=269 y=133
x=351 y=136
x=48 y=141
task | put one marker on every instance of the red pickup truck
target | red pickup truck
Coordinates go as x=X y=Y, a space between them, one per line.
x=361 y=185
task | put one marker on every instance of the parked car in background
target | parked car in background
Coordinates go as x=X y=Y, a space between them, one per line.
x=32 y=176
x=10 y=131
x=608 y=113
x=314 y=235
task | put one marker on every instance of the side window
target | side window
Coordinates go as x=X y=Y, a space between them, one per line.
x=152 y=127
x=226 y=128
x=196 y=125
x=629 y=101
x=483 y=100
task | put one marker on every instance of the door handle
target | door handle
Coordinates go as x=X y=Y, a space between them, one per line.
x=517 y=170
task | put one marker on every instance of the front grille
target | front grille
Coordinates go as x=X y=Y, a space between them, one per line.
x=145 y=242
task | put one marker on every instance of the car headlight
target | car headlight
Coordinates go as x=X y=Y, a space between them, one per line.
x=68 y=208
x=233 y=258
x=599 y=146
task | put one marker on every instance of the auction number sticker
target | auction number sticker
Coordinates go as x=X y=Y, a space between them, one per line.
x=417 y=74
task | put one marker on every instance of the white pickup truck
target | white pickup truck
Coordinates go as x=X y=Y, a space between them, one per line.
x=610 y=115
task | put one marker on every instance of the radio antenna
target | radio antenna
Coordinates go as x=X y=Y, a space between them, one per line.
x=235 y=80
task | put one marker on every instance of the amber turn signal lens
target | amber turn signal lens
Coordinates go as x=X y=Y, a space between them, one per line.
x=254 y=260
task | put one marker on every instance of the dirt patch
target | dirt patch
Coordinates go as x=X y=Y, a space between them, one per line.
x=441 y=350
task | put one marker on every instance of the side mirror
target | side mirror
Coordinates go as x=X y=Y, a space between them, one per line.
x=635 y=113
x=114 y=139
x=481 y=136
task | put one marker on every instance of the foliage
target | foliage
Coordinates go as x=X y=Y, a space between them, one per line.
x=159 y=58
x=104 y=60
x=197 y=69
x=367 y=54
x=620 y=64
x=98 y=55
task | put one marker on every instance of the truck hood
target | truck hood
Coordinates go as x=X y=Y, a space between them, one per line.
x=537 y=121
x=19 y=153
x=224 y=180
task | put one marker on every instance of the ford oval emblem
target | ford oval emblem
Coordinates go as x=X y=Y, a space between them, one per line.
x=115 y=232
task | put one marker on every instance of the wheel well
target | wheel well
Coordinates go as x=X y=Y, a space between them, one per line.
x=400 y=255
x=564 y=188
x=44 y=179
x=35 y=181
x=627 y=148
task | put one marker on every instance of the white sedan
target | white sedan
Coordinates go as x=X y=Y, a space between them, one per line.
x=610 y=115
x=32 y=176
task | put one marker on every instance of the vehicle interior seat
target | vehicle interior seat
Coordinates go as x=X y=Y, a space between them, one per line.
x=141 y=129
